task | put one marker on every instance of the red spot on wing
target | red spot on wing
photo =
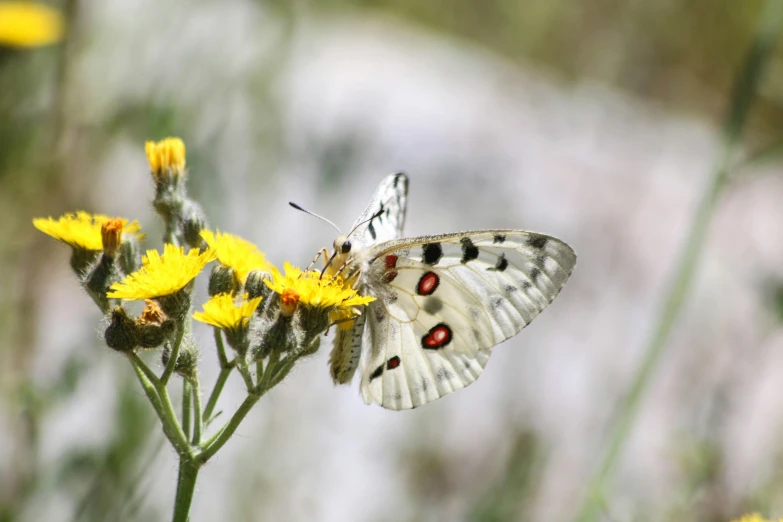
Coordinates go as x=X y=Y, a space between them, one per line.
x=392 y=363
x=428 y=283
x=438 y=337
x=391 y=264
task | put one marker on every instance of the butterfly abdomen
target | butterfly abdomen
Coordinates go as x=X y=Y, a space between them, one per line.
x=347 y=349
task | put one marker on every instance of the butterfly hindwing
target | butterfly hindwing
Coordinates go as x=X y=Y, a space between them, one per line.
x=445 y=301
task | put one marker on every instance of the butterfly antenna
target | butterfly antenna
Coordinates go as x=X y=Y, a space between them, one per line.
x=297 y=207
x=381 y=211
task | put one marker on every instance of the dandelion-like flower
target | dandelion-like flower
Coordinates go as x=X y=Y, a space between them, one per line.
x=26 y=24
x=166 y=158
x=83 y=230
x=224 y=312
x=237 y=253
x=162 y=275
x=326 y=293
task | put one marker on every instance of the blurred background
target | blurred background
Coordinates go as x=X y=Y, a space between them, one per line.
x=597 y=122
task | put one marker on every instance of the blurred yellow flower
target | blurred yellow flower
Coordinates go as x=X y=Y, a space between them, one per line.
x=166 y=158
x=755 y=517
x=224 y=312
x=162 y=275
x=83 y=230
x=315 y=291
x=237 y=253
x=26 y=24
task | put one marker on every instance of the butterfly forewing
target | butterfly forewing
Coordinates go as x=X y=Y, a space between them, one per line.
x=389 y=203
x=445 y=301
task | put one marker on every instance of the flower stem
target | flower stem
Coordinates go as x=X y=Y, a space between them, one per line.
x=225 y=371
x=197 y=419
x=187 y=403
x=173 y=355
x=222 y=437
x=186 y=485
x=746 y=82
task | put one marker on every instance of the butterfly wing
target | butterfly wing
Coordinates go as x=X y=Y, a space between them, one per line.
x=445 y=301
x=389 y=203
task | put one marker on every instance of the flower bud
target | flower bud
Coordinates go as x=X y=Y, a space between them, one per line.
x=99 y=279
x=193 y=222
x=129 y=255
x=82 y=261
x=255 y=286
x=187 y=360
x=153 y=327
x=111 y=236
x=222 y=280
x=121 y=333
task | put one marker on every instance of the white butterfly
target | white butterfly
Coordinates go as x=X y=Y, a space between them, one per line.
x=442 y=301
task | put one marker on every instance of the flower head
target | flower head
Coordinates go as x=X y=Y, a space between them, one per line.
x=166 y=158
x=25 y=24
x=237 y=253
x=326 y=293
x=83 y=230
x=223 y=311
x=162 y=275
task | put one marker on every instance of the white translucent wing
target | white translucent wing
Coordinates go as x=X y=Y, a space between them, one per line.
x=445 y=301
x=390 y=201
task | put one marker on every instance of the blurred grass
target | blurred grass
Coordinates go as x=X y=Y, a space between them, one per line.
x=747 y=81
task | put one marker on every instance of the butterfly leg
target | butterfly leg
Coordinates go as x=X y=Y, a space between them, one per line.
x=323 y=252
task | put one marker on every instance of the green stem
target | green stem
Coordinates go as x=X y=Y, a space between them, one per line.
x=216 y=391
x=186 y=485
x=222 y=437
x=197 y=419
x=744 y=91
x=225 y=371
x=187 y=401
x=146 y=382
x=169 y=370
x=245 y=373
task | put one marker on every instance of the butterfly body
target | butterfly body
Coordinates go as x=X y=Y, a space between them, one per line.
x=442 y=301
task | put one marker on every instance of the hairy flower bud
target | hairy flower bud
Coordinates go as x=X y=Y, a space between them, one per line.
x=193 y=222
x=187 y=360
x=97 y=282
x=121 y=334
x=153 y=327
x=222 y=280
x=255 y=286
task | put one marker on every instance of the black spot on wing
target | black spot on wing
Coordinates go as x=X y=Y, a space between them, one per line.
x=469 y=250
x=371 y=229
x=534 y=274
x=537 y=241
x=431 y=253
x=501 y=264
x=499 y=238
x=376 y=373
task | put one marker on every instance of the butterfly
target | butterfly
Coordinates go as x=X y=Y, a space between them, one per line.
x=442 y=301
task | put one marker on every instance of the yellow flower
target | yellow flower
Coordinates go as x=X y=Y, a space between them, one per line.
x=25 y=24
x=82 y=230
x=239 y=254
x=166 y=158
x=162 y=275
x=315 y=291
x=755 y=517
x=224 y=312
